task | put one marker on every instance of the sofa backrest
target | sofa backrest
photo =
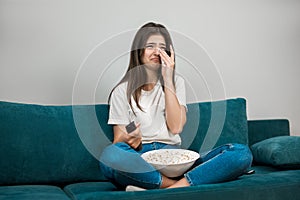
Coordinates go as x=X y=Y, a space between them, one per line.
x=61 y=144
x=259 y=130
x=210 y=124
x=40 y=144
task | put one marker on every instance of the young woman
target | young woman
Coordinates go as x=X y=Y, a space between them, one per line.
x=153 y=96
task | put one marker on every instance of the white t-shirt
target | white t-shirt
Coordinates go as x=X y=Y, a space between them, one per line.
x=152 y=118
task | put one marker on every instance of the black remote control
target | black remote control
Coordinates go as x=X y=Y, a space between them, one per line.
x=130 y=128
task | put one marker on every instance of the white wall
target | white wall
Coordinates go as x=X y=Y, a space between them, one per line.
x=225 y=49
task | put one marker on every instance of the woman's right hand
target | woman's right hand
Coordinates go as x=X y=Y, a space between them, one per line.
x=133 y=139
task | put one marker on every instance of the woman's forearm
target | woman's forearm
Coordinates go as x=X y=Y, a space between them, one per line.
x=175 y=113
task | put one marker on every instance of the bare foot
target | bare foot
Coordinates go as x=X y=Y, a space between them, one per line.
x=167 y=182
x=181 y=183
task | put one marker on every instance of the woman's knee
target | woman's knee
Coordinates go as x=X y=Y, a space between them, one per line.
x=121 y=156
x=242 y=149
x=111 y=153
x=242 y=155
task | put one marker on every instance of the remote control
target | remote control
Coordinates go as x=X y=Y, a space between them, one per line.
x=130 y=128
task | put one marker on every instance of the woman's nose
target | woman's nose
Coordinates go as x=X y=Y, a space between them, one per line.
x=156 y=51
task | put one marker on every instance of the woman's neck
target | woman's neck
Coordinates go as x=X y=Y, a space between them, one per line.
x=151 y=80
x=149 y=86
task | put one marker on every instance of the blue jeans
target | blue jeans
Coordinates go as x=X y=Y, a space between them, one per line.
x=124 y=166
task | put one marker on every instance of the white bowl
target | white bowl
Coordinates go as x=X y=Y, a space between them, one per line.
x=171 y=162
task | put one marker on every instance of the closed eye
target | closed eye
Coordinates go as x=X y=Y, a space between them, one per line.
x=163 y=48
x=149 y=46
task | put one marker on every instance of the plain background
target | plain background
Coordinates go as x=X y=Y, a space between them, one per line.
x=63 y=51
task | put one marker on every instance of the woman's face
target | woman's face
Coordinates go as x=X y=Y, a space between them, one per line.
x=150 y=57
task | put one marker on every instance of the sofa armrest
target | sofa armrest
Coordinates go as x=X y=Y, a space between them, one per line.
x=259 y=130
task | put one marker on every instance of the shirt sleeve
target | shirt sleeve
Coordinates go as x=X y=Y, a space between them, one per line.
x=119 y=106
x=180 y=90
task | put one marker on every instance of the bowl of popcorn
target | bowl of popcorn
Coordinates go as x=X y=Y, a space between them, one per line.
x=171 y=162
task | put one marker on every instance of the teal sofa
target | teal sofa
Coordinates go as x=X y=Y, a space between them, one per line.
x=51 y=152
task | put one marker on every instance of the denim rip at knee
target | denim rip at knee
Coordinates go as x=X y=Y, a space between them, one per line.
x=221 y=164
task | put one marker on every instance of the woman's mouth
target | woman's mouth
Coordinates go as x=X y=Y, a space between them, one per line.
x=157 y=60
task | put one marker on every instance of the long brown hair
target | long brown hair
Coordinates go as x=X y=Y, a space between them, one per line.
x=137 y=78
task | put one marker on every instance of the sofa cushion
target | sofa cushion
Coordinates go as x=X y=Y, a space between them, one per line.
x=210 y=124
x=31 y=192
x=266 y=184
x=40 y=144
x=86 y=189
x=281 y=151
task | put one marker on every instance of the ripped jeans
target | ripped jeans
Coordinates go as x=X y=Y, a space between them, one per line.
x=124 y=166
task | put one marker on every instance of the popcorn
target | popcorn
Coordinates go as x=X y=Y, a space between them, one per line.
x=170 y=157
x=171 y=162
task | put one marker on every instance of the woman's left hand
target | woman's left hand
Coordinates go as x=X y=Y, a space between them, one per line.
x=168 y=63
